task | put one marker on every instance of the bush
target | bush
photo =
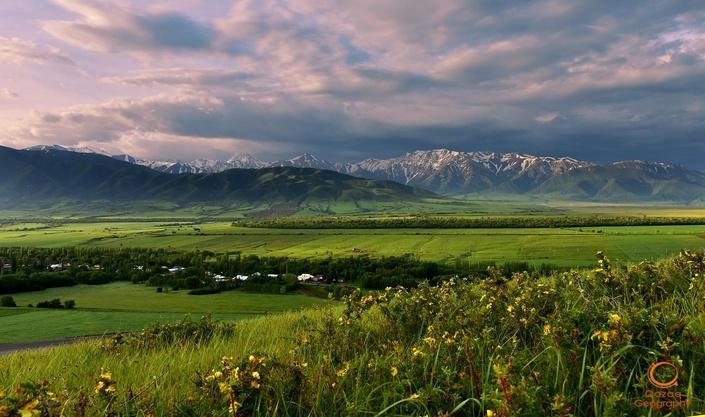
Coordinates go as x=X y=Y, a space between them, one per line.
x=69 y=304
x=179 y=333
x=204 y=291
x=55 y=303
x=7 y=301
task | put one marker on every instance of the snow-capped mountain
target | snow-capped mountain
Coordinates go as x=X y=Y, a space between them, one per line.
x=78 y=149
x=451 y=172
x=309 y=161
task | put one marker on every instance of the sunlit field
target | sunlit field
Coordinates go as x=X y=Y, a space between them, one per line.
x=559 y=246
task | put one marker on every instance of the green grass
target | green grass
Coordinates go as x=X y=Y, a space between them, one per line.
x=42 y=325
x=565 y=247
x=521 y=346
x=123 y=307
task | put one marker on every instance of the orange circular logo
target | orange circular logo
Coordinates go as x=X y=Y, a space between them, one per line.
x=662 y=384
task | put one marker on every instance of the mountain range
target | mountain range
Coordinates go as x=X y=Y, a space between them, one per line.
x=51 y=174
x=450 y=172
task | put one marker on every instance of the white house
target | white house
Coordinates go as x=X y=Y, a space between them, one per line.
x=220 y=278
x=304 y=277
x=272 y=275
x=242 y=277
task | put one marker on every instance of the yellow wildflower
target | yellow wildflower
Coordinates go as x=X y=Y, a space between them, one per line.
x=29 y=409
x=343 y=371
x=255 y=375
x=546 y=329
x=234 y=406
x=414 y=396
x=99 y=387
x=394 y=371
x=490 y=413
x=615 y=318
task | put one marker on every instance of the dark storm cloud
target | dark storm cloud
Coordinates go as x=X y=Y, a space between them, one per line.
x=349 y=79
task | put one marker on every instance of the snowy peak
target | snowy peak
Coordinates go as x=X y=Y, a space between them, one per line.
x=439 y=170
x=307 y=160
x=77 y=149
x=447 y=171
x=245 y=160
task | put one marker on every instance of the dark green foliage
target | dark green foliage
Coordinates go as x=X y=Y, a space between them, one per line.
x=204 y=291
x=30 y=176
x=55 y=303
x=456 y=222
x=102 y=265
x=69 y=304
x=161 y=335
x=7 y=301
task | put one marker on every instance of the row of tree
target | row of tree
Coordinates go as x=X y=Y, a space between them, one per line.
x=461 y=222
x=33 y=269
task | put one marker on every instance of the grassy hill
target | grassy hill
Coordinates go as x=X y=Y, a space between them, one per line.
x=30 y=176
x=578 y=344
x=626 y=183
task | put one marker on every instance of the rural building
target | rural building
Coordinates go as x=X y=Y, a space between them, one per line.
x=304 y=277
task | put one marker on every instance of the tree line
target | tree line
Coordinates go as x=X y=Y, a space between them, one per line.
x=33 y=269
x=458 y=222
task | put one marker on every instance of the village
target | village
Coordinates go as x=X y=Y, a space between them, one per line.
x=217 y=277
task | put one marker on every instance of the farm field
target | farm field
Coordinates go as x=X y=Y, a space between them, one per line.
x=124 y=307
x=559 y=246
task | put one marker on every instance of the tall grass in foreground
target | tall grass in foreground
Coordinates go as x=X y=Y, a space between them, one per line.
x=573 y=344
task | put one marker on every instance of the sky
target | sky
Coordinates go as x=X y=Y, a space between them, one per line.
x=352 y=79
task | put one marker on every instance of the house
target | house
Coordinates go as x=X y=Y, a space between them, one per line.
x=7 y=267
x=304 y=277
x=317 y=278
x=272 y=275
x=139 y=268
x=221 y=278
x=175 y=269
x=59 y=267
x=242 y=277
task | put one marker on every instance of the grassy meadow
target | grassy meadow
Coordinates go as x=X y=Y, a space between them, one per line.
x=121 y=306
x=569 y=344
x=575 y=343
x=558 y=246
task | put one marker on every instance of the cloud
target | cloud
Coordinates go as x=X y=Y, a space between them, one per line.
x=105 y=27
x=364 y=77
x=17 y=51
x=183 y=77
x=7 y=93
x=547 y=117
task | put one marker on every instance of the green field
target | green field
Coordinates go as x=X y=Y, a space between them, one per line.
x=559 y=246
x=124 y=307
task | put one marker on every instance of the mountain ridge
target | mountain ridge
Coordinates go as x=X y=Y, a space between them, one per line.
x=53 y=174
x=451 y=172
